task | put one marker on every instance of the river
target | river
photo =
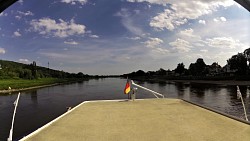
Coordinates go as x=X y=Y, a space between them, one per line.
x=38 y=107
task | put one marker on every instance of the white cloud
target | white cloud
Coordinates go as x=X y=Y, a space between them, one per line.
x=57 y=55
x=2 y=51
x=187 y=32
x=25 y=61
x=160 y=2
x=3 y=14
x=160 y=50
x=204 y=50
x=166 y=19
x=94 y=36
x=73 y=2
x=188 y=35
x=224 y=3
x=18 y=17
x=215 y=20
x=47 y=26
x=134 y=38
x=224 y=42
x=220 y=19
x=202 y=22
x=71 y=42
x=179 y=14
x=223 y=19
x=20 y=1
x=17 y=34
x=128 y=22
x=153 y=42
x=155 y=45
x=180 y=45
x=28 y=13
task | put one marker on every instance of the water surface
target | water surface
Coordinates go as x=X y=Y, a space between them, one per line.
x=38 y=107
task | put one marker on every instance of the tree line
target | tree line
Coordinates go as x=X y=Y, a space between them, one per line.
x=237 y=67
x=14 y=70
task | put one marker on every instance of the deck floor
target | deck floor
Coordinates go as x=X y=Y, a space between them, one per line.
x=143 y=120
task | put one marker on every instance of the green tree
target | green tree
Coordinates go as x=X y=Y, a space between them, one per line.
x=161 y=71
x=198 y=68
x=27 y=74
x=180 y=68
x=247 y=54
x=140 y=73
x=80 y=75
x=238 y=63
x=34 y=70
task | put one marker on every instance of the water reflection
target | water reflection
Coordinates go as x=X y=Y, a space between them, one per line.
x=180 y=88
x=33 y=95
x=198 y=89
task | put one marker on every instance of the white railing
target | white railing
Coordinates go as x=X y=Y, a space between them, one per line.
x=156 y=94
x=239 y=96
x=13 y=118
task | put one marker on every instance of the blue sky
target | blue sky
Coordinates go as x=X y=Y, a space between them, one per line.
x=120 y=36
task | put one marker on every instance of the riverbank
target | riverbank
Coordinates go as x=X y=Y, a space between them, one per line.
x=16 y=85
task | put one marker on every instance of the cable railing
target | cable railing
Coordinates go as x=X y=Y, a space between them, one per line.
x=156 y=94
x=239 y=96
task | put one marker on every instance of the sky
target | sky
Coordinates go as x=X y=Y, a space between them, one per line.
x=104 y=37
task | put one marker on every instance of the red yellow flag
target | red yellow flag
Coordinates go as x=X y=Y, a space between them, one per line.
x=127 y=87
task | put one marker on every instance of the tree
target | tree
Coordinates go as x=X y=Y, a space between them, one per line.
x=80 y=75
x=161 y=71
x=27 y=74
x=140 y=73
x=238 y=63
x=34 y=69
x=180 y=68
x=247 y=54
x=198 y=68
x=200 y=64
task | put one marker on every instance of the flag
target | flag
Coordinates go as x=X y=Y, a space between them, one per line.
x=127 y=87
x=238 y=93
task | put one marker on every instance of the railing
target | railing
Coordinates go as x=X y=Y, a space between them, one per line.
x=13 y=118
x=239 y=96
x=156 y=94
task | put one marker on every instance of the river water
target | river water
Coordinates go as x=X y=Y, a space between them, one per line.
x=38 y=107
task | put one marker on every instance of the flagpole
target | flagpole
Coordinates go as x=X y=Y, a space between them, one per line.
x=240 y=96
x=127 y=88
x=13 y=118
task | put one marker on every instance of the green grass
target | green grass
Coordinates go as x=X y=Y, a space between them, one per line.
x=22 y=83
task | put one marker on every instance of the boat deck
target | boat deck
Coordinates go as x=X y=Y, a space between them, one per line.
x=142 y=120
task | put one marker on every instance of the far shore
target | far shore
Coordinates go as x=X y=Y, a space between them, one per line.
x=10 y=86
x=29 y=88
x=223 y=82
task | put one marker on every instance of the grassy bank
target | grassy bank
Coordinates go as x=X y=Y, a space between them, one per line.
x=22 y=83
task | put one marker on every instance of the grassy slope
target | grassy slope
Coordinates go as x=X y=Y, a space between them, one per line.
x=21 y=83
